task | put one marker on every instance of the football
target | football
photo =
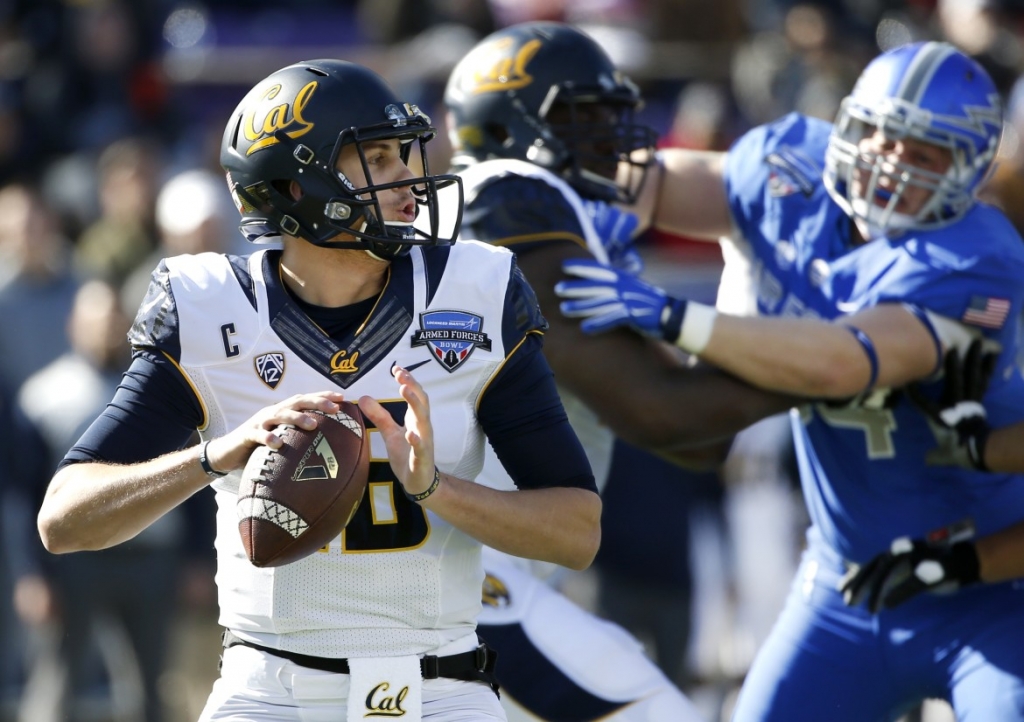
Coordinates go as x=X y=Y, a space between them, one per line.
x=294 y=500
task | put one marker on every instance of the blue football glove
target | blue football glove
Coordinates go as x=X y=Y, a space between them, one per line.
x=607 y=298
x=943 y=562
x=958 y=419
x=616 y=228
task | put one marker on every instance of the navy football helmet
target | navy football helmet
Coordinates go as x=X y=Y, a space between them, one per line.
x=292 y=126
x=928 y=91
x=547 y=93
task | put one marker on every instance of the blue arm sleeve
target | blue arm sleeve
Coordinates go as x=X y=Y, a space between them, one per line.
x=524 y=420
x=153 y=413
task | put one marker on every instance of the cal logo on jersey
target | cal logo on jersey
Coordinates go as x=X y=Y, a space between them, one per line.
x=451 y=336
x=270 y=368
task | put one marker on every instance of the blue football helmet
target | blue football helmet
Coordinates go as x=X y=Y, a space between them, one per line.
x=928 y=91
x=293 y=125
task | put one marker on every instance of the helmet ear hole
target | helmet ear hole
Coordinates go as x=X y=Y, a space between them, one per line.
x=498 y=132
x=287 y=188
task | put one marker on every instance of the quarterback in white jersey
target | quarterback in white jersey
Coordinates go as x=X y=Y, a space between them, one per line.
x=381 y=621
x=541 y=121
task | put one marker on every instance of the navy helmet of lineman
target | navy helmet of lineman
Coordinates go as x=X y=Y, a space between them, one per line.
x=929 y=92
x=547 y=93
x=293 y=125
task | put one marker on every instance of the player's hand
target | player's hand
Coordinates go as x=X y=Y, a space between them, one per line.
x=606 y=298
x=231 y=451
x=410 y=447
x=943 y=562
x=958 y=418
x=616 y=229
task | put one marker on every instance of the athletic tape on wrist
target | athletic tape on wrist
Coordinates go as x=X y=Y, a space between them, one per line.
x=698 y=323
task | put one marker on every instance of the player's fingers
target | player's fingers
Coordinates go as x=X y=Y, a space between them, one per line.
x=407 y=381
x=586 y=290
x=889 y=575
x=605 y=322
x=590 y=270
x=988 y=366
x=380 y=416
x=902 y=592
x=857 y=582
x=953 y=392
x=414 y=395
x=590 y=307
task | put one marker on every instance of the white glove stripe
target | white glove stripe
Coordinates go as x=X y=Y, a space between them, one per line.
x=963 y=410
x=582 y=309
x=591 y=272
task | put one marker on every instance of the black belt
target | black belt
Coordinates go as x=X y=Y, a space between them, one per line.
x=477 y=665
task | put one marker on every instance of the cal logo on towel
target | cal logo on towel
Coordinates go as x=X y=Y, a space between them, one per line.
x=381 y=703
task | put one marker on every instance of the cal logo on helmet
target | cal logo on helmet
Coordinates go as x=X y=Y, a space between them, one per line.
x=501 y=66
x=270 y=114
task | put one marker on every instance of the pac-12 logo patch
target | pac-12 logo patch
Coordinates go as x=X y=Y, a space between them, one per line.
x=270 y=368
x=451 y=336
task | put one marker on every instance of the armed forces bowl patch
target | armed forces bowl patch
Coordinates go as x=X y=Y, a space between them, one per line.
x=451 y=336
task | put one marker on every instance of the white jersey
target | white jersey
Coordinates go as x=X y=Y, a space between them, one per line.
x=597 y=439
x=399 y=580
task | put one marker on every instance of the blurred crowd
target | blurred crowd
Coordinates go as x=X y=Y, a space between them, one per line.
x=110 y=119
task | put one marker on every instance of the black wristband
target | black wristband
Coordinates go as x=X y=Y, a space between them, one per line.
x=204 y=462
x=430 y=489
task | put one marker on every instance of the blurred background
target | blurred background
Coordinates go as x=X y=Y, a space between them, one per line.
x=111 y=113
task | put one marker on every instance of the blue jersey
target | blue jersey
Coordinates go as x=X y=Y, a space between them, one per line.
x=862 y=466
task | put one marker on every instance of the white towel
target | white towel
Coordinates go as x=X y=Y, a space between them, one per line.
x=385 y=688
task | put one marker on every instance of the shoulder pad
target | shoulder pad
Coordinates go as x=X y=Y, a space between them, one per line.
x=512 y=209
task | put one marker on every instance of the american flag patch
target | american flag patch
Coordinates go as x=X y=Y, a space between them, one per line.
x=987 y=312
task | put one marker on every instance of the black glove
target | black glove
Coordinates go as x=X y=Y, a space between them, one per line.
x=943 y=562
x=958 y=418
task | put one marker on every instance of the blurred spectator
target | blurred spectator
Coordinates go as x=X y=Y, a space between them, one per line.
x=703 y=118
x=809 y=67
x=700 y=21
x=192 y=214
x=110 y=87
x=990 y=31
x=393 y=21
x=36 y=284
x=124 y=234
x=36 y=292
x=1005 y=188
x=118 y=603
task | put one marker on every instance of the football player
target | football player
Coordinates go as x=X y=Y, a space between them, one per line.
x=873 y=259
x=542 y=124
x=382 y=621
